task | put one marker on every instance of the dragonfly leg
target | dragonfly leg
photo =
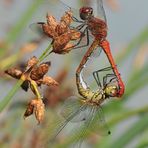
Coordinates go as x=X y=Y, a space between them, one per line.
x=87 y=42
x=76 y=20
x=96 y=75
x=112 y=76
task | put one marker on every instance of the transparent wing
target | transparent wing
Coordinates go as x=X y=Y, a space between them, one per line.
x=74 y=107
x=38 y=30
x=95 y=123
x=100 y=10
x=72 y=112
x=100 y=123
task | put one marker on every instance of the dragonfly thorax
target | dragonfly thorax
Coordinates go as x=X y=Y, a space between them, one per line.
x=86 y=13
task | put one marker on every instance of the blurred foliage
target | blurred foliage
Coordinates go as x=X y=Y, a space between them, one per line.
x=15 y=132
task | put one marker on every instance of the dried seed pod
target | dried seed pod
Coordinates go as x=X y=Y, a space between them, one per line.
x=48 y=81
x=13 y=72
x=39 y=110
x=67 y=18
x=36 y=106
x=33 y=61
x=38 y=72
x=60 y=43
x=51 y=21
x=61 y=28
x=75 y=34
x=30 y=109
x=49 y=31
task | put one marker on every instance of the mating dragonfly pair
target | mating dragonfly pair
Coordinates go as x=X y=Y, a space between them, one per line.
x=92 y=25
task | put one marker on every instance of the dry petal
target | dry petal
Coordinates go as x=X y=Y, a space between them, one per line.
x=68 y=48
x=39 y=110
x=38 y=72
x=30 y=108
x=61 y=28
x=75 y=34
x=49 y=31
x=13 y=72
x=60 y=43
x=51 y=21
x=67 y=17
x=49 y=81
x=36 y=106
x=33 y=61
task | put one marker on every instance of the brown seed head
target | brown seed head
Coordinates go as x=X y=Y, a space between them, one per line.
x=49 y=81
x=67 y=18
x=51 y=21
x=39 y=110
x=33 y=61
x=60 y=43
x=13 y=72
x=49 y=31
x=36 y=106
x=75 y=34
x=29 y=110
x=39 y=71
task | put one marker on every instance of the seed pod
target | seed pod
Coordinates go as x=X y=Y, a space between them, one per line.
x=67 y=18
x=30 y=108
x=39 y=110
x=51 y=21
x=38 y=72
x=75 y=34
x=49 y=31
x=60 y=42
x=36 y=106
x=61 y=28
x=33 y=61
x=13 y=72
x=48 y=81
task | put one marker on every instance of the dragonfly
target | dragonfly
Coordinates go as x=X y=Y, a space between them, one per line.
x=87 y=108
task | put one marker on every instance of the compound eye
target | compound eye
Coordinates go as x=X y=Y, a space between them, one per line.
x=85 y=12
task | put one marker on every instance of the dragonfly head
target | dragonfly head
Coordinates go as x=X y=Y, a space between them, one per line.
x=111 y=90
x=86 y=13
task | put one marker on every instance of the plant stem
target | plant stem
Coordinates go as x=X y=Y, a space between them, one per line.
x=44 y=54
x=8 y=97
x=34 y=85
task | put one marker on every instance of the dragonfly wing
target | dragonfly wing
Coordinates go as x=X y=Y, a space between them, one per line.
x=96 y=53
x=80 y=133
x=37 y=28
x=100 y=10
x=100 y=123
x=73 y=107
